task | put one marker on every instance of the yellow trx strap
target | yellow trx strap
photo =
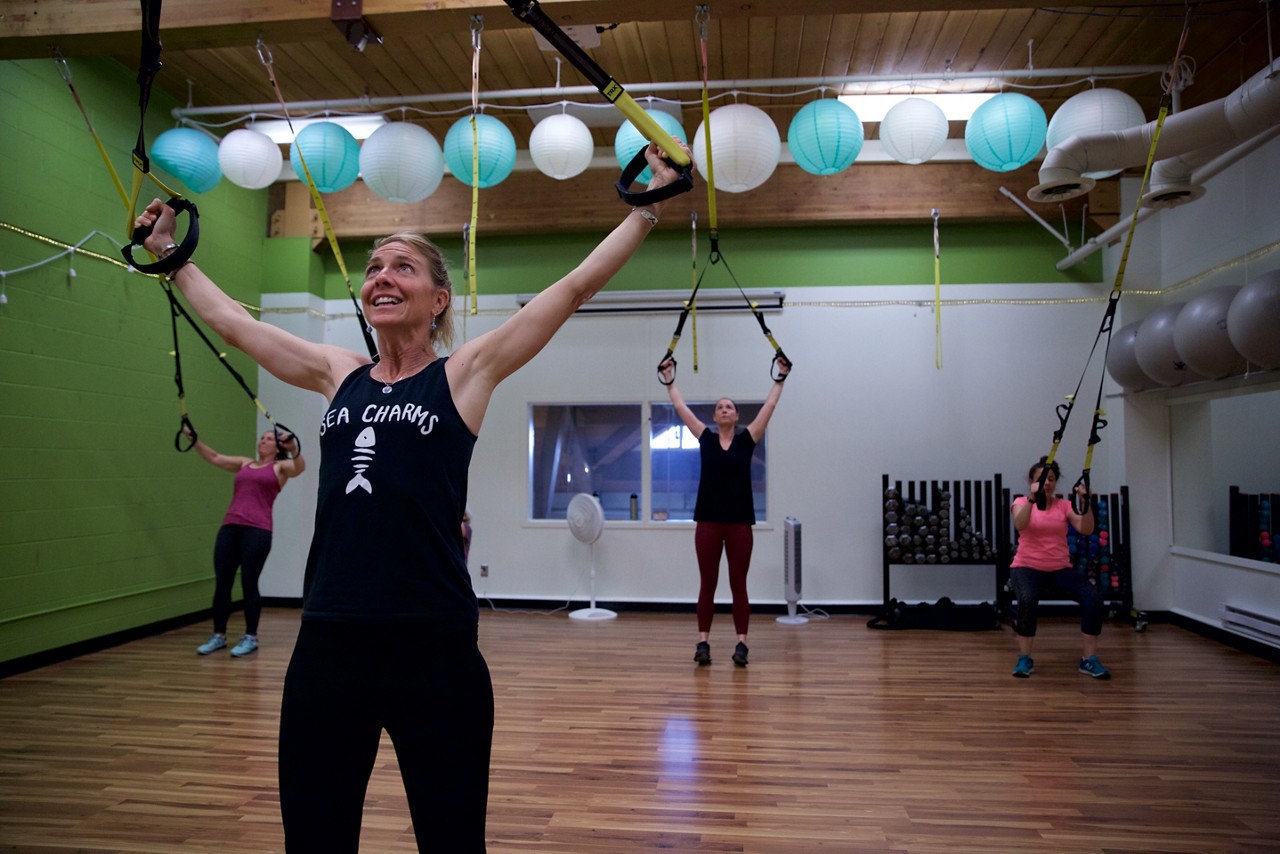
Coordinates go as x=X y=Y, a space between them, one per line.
x=264 y=54
x=937 y=295
x=477 y=26
x=65 y=70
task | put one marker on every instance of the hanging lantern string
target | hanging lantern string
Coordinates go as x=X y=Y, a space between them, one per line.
x=477 y=27
x=264 y=54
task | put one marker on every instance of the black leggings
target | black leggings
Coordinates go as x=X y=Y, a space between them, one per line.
x=1029 y=585
x=247 y=548
x=430 y=691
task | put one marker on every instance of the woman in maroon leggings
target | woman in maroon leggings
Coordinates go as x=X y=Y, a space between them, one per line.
x=725 y=510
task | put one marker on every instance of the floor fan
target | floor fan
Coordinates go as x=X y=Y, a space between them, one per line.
x=586 y=522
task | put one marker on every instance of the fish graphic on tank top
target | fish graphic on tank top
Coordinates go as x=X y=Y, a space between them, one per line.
x=361 y=455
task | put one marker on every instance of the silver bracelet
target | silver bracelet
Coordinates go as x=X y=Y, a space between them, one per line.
x=647 y=214
x=169 y=247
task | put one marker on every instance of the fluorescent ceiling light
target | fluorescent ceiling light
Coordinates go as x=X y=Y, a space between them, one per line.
x=278 y=129
x=956 y=106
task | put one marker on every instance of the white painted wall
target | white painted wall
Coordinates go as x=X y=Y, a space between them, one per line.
x=865 y=399
x=1228 y=237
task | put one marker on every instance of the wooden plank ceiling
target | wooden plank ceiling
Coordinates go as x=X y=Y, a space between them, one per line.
x=214 y=49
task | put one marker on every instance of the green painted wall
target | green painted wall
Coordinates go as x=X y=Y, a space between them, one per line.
x=1012 y=253
x=104 y=527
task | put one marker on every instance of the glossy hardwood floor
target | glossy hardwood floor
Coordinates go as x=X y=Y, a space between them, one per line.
x=608 y=738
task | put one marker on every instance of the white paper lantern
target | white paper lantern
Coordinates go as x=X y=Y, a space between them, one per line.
x=913 y=131
x=401 y=162
x=1094 y=111
x=250 y=159
x=745 y=147
x=561 y=146
x=190 y=156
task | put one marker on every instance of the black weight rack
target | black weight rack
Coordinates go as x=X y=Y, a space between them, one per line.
x=942 y=523
x=1251 y=525
x=1103 y=556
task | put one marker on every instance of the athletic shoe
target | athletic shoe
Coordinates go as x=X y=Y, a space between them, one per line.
x=702 y=653
x=213 y=644
x=1092 y=667
x=1025 y=667
x=247 y=644
x=740 y=654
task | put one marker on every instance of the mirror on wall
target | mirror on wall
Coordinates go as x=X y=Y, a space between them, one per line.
x=1217 y=444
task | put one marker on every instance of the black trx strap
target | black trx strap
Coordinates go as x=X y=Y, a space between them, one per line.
x=715 y=257
x=531 y=13
x=148 y=66
x=1078 y=502
x=186 y=427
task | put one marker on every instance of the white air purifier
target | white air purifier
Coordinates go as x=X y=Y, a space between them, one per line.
x=791 y=571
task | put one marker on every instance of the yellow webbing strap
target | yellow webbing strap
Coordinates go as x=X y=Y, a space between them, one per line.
x=264 y=54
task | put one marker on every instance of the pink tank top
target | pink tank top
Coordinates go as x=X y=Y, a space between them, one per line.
x=255 y=491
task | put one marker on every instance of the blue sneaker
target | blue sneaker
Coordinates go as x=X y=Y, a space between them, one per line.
x=247 y=644
x=1092 y=667
x=1025 y=667
x=213 y=644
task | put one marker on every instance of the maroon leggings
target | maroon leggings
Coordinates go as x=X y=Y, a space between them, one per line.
x=735 y=539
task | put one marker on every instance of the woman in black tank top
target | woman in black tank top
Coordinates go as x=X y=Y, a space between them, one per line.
x=388 y=637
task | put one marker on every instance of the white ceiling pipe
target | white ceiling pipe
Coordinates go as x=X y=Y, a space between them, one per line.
x=1200 y=176
x=1250 y=109
x=1171 y=181
x=559 y=93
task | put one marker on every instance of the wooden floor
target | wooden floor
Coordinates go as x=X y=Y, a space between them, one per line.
x=609 y=739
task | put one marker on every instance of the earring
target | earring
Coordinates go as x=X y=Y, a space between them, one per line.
x=433 y=325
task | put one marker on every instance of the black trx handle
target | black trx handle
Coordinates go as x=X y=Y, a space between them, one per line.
x=531 y=13
x=1082 y=504
x=640 y=198
x=177 y=257
x=279 y=428
x=188 y=430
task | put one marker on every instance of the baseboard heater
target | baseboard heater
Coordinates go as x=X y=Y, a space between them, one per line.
x=1262 y=627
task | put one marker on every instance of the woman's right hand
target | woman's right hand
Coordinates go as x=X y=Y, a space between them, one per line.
x=162 y=219
x=667 y=369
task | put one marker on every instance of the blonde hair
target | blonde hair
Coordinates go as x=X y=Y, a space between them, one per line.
x=438 y=270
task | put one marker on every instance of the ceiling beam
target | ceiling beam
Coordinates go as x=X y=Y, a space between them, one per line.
x=30 y=28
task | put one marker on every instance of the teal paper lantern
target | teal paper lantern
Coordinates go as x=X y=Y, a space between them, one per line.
x=190 y=156
x=628 y=140
x=332 y=155
x=497 y=148
x=1006 y=132
x=825 y=137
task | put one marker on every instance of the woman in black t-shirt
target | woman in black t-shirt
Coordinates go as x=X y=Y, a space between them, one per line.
x=724 y=511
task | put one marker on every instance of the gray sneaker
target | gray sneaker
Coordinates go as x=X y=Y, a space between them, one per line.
x=247 y=644
x=213 y=644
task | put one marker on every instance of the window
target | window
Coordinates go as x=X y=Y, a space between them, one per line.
x=599 y=449
x=591 y=448
x=675 y=465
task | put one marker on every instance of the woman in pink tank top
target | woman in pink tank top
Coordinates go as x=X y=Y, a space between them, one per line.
x=244 y=540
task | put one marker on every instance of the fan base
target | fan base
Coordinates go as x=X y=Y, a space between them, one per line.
x=793 y=621
x=592 y=614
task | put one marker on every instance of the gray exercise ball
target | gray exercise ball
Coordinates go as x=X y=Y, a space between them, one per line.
x=1122 y=360
x=1156 y=352
x=1253 y=321
x=1200 y=334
